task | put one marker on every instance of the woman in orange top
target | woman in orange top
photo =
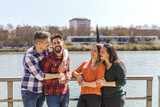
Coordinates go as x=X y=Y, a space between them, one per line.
x=87 y=74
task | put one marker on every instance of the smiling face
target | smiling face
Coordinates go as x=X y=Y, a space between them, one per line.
x=57 y=45
x=43 y=44
x=104 y=54
x=94 y=53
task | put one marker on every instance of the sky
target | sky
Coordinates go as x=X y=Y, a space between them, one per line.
x=100 y=12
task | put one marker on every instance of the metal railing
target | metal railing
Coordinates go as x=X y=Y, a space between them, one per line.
x=148 y=96
x=159 y=92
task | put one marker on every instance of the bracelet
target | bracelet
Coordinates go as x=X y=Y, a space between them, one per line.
x=79 y=74
x=64 y=60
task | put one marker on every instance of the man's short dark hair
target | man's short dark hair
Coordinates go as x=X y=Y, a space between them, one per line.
x=56 y=35
x=41 y=35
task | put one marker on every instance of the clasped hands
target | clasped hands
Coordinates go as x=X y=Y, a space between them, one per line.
x=64 y=78
x=82 y=83
x=101 y=82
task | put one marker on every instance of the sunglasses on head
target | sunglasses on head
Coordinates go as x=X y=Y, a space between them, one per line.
x=106 y=45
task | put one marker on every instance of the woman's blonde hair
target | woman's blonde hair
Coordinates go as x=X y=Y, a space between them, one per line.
x=98 y=46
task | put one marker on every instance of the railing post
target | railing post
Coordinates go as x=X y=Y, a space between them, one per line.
x=10 y=93
x=149 y=93
x=159 y=91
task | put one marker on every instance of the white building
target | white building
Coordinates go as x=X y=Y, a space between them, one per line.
x=76 y=22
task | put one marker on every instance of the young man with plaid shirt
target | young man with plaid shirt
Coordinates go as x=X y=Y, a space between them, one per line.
x=56 y=90
x=31 y=86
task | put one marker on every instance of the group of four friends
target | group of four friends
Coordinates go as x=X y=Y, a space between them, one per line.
x=47 y=72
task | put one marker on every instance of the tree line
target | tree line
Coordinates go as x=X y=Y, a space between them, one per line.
x=23 y=34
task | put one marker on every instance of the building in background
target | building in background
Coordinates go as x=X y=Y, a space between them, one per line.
x=80 y=26
x=81 y=40
x=76 y=22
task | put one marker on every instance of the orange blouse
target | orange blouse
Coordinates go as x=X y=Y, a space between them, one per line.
x=91 y=74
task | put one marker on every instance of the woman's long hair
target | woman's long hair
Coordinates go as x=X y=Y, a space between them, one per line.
x=113 y=57
x=98 y=46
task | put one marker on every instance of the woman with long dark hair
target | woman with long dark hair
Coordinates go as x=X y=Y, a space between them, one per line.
x=113 y=94
x=90 y=71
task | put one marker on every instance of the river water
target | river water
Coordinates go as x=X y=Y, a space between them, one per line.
x=137 y=63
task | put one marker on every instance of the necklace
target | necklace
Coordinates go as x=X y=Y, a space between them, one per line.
x=92 y=65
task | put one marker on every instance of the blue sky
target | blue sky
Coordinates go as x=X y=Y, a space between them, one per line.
x=59 y=12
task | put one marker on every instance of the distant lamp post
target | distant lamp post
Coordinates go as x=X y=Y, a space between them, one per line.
x=97 y=33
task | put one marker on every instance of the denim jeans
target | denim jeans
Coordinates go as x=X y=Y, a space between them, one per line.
x=31 y=99
x=58 y=101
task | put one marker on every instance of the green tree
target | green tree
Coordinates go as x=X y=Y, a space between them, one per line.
x=25 y=34
x=105 y=32
x=122 y=33
x=133 y=40
x=64 y=32
x=54 y=29
x=5 y=36
x=72 y=32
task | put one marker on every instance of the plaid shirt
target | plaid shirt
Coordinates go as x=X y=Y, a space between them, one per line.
x=50 y=64
x=32 y=73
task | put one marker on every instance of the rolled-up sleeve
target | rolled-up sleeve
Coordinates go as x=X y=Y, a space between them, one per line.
x=79 y=69
x=68 y=67
x=31 y=64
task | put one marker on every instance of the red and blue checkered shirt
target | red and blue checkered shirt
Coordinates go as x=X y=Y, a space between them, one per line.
x=50 y=64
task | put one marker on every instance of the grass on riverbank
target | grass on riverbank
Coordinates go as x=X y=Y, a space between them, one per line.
x=124 y=47
x=137 y=47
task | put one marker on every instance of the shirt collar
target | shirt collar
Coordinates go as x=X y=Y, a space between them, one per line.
x=55 y=55
x=35 y=51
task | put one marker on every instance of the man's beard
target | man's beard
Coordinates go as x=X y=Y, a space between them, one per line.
x=58 y=50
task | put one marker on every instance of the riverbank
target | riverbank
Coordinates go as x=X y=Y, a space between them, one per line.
x=122 y=47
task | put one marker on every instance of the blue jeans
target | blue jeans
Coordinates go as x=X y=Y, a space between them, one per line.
x=31 y=99
x=58 y=101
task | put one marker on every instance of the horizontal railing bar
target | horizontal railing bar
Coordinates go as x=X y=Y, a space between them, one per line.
x=140 y=77
x=75 y=99
x=5 y=79
x=11 y=100
x=130 y=77
x=138 y=98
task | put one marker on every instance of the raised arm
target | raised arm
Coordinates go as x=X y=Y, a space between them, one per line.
x=62 y=66
x=67 y=73
x=78 y=73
